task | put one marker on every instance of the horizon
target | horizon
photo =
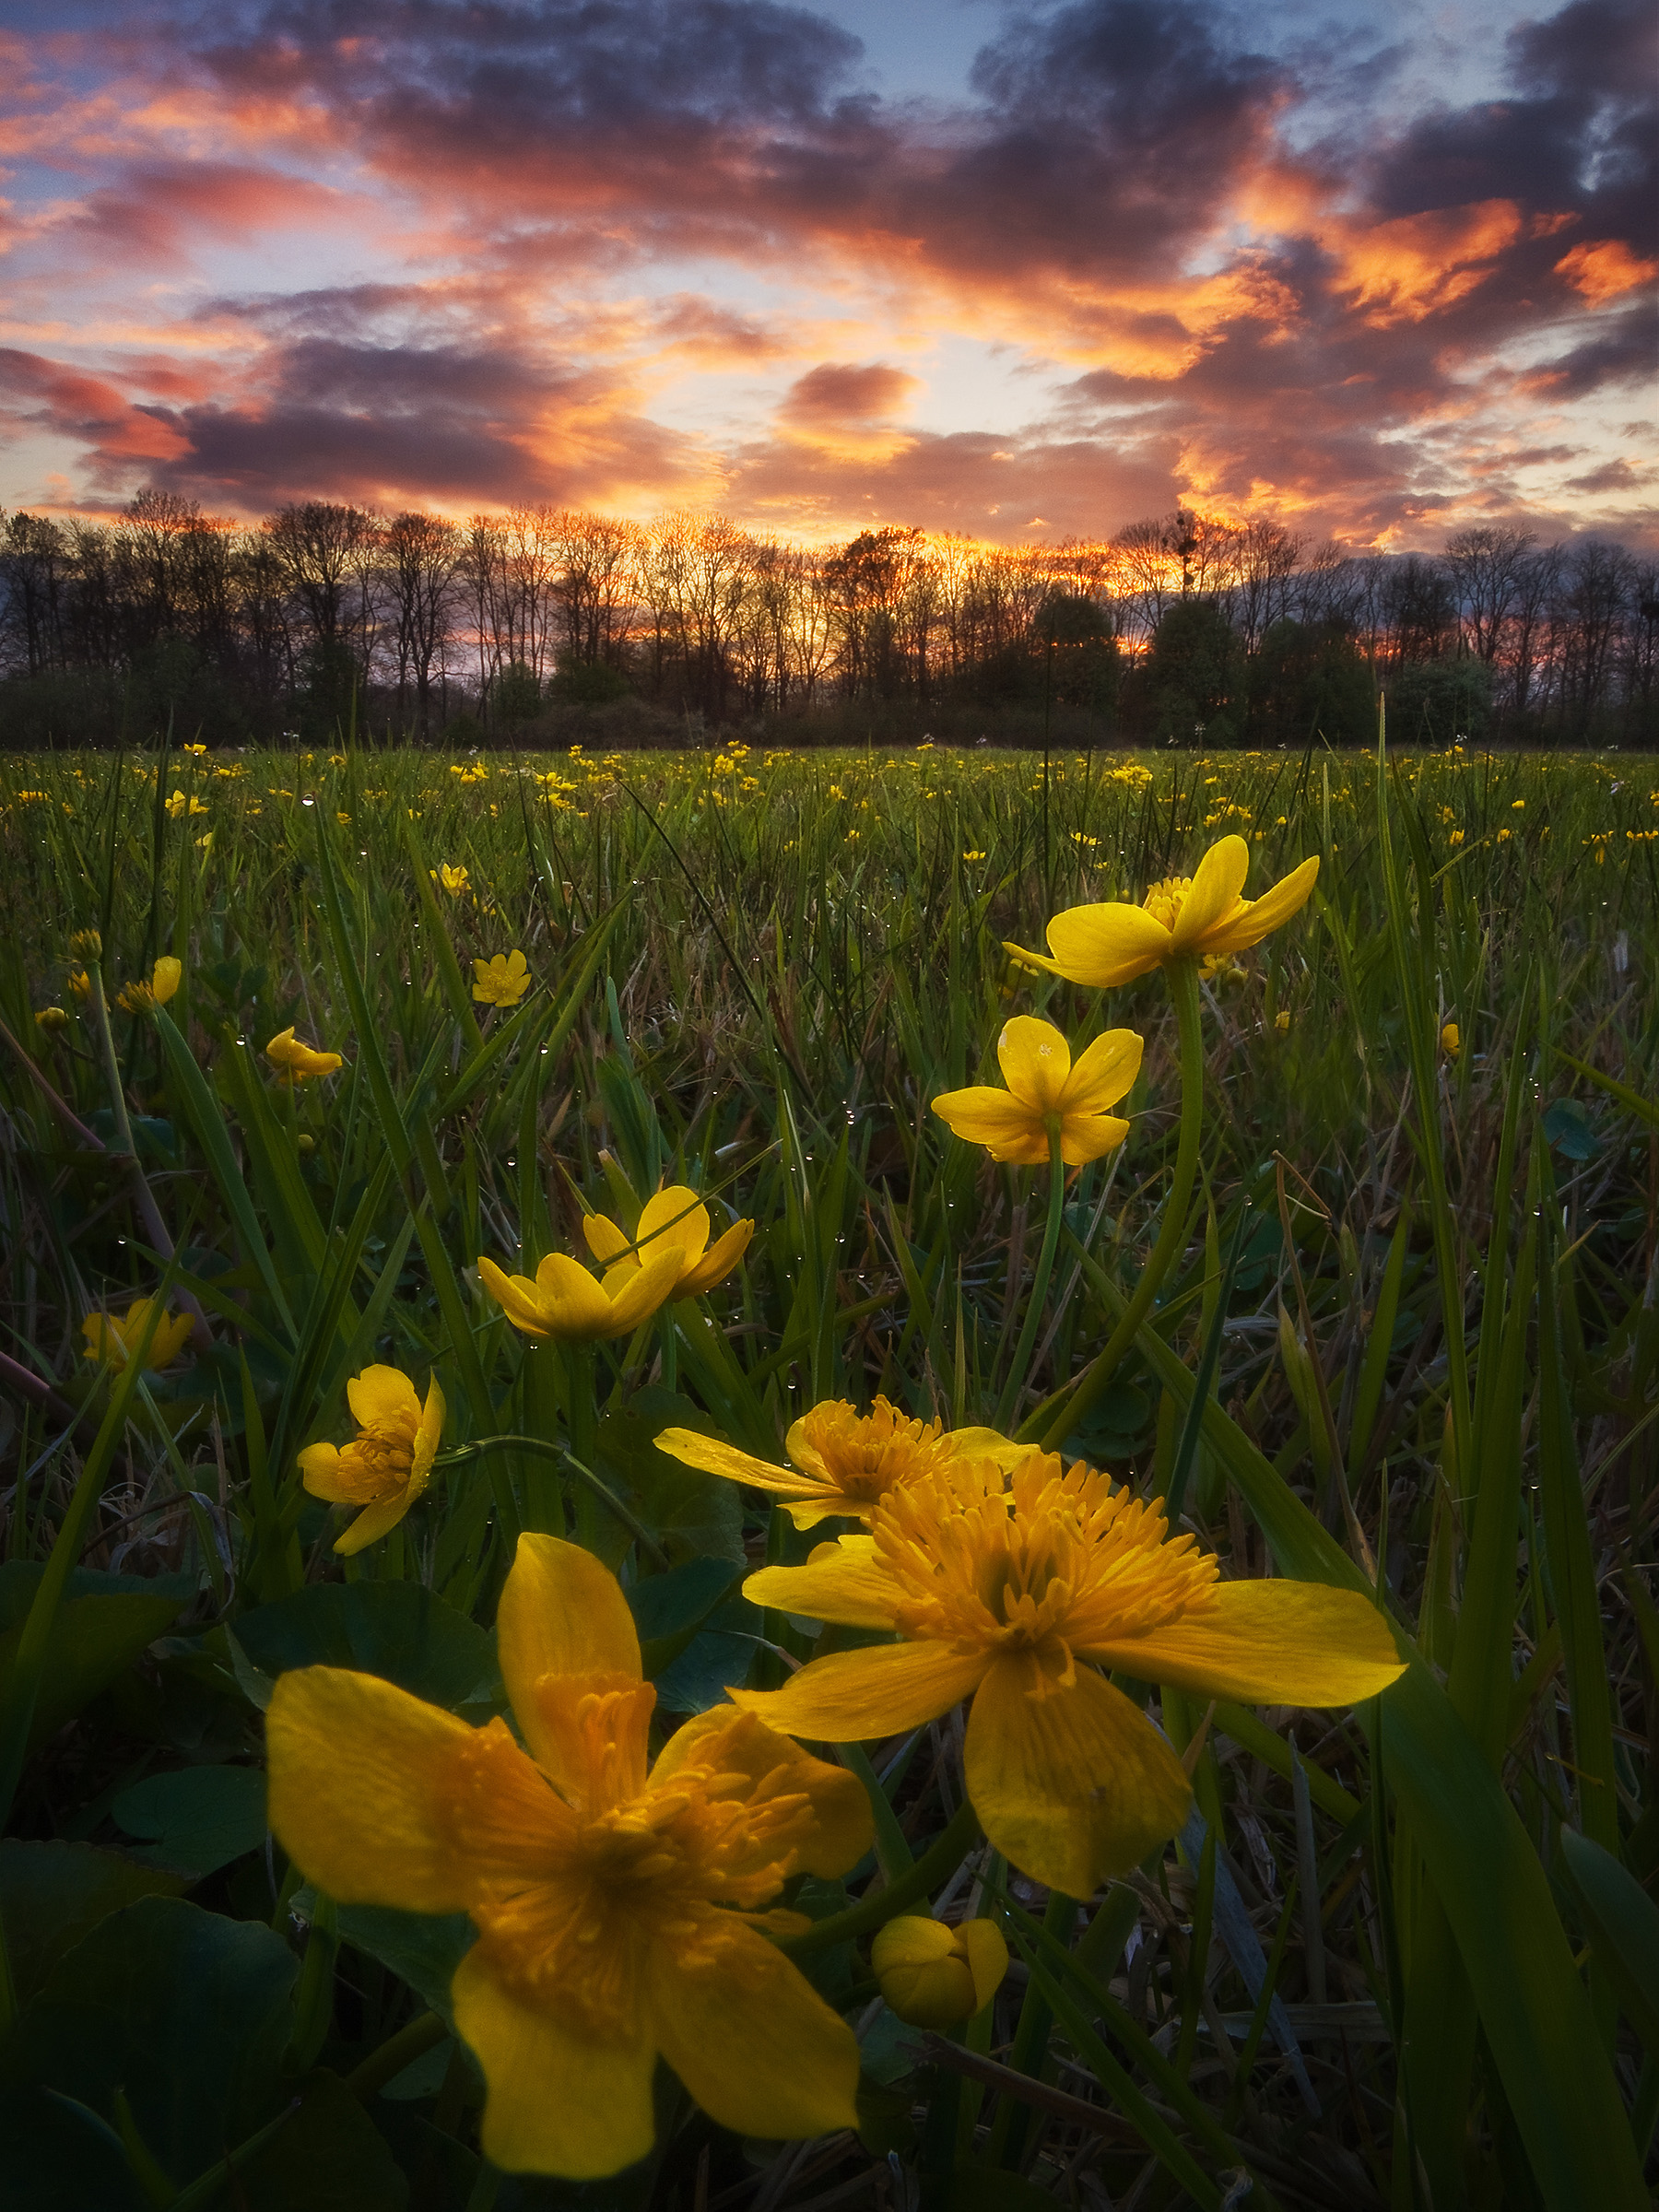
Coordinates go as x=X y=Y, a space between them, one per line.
x=1021 y=275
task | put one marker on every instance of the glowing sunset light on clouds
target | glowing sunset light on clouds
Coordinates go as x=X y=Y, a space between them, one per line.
x=1007 y=271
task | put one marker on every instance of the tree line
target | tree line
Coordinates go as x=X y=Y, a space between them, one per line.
x=1180 y=627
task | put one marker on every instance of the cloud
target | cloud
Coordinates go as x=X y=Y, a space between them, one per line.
x=470 y=251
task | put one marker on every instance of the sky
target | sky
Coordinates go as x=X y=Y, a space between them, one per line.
x=1375 y=269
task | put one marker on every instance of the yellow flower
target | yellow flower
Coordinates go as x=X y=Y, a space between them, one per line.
x=933 y=1976
x=843 y=1460
x=1183 y=918
x=388 y=1463
x=500 y=982
x=135 y=998
x=1281 y=1020
x=453 y=881
x=81 y=983
x=179 y=805
x=1450 y=1042
x=51 y=1019
x=1006 y=1595
x=620 y=1911
x=299 y=1061
x=565 y=1301
x=673 y=1219
x=1046 y=1091
x=165 y=978
x=87 y=945
x=116 y=1340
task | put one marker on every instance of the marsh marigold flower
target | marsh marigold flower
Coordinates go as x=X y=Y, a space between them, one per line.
x=502 y=980
x=51 y=1019
x=116 y=1340
x=1045 y=1091
x=676 y=1219
x=1451 y=1040
x=453 y=881
x=1183 y=918
x=933 y=1976
x=619 y=1910
x=388 y=1463
x=569 y=1304
x=299 y=1062
x=1018 y=1594
x=843 y=1460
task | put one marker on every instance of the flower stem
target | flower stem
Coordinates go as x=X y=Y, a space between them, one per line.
x=540 y=1448
x=1053 y=1420
x=1015 y=1384
x=935 y=1865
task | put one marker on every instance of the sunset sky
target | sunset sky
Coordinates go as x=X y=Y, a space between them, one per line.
x=1377 y=268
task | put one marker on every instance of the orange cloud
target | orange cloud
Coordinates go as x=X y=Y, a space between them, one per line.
x=1605 y=270
x=1419 y=265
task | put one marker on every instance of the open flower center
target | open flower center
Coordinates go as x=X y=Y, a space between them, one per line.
x=865 y=1455
x=1164 y=900
x=1052 y=1558
x=378 y=1460
x=579 y=1879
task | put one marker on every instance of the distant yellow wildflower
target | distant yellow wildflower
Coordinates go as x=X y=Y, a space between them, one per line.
x=388 y=1463
x=453 y=881
x=1047 y=1092
x=117 y=1339
x=501 y=981
x=299 y=1062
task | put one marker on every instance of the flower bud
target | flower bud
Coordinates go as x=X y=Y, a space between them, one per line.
x=51 y=1019
x=1451 y=1042
x=933 y=1976
x=87 y=945
x=165 y=978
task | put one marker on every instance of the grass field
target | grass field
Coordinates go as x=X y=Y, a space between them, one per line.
x=1372 y=1275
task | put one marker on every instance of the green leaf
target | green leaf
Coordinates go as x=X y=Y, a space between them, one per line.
x=54 y=1893
x=103 y=1624
x=1567 y=1127
x=398 y=1630
x=691 y=1514
x=57 y=2157
x=1622 y=1923
x=197 y=1820
x=185 y=2010
x=421 y=1948
x=329 y=2157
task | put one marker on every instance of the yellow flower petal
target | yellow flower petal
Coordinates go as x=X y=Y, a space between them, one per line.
x=844 y=1585
x=1003 y=1123
x=575 y=1305
x=741 y=1743
x=362 y=1774
x=758 y=2048
x=716 y=1457
x=320 y=1471
x=1106 y=946
x=1103 y=1073
x=987 y=1956
x=561 y=1613
x=516 y=1296
x=1035 y=1060
x=428 y=1437
x=1070 y=1782
x=604 y=1239
x=1086 y=1136
x=1216 y=885
x=1263 y=915
x=560 y=2100
x=380 y=1394
x=165 y=978
x=373 y=1522
x=1268 y=1643
x=853 y=1696
x=718 y=1262
x=675 y=1216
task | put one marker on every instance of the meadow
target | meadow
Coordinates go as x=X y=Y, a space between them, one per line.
x=306 y=1056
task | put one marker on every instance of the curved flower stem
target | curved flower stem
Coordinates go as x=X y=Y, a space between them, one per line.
x=935 y=1865
x=1055 y=1419
x=1040 y=1283
x=541 y=1449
